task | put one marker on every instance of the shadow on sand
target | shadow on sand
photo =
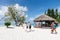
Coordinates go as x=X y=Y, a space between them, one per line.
x=10 y=27
x=46 y=27
x=31 y=31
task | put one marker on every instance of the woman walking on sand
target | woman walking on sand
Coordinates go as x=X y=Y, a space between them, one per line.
x=29 y=26
x=54 y=26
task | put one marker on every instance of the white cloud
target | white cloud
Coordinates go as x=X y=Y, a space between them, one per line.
x=22 y=8
x=3 y=10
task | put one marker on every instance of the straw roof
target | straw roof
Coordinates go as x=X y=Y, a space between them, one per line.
x=44 y=18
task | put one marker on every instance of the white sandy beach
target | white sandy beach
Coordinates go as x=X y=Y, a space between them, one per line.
x=18 y=33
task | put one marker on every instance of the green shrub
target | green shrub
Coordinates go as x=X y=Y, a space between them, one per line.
x=7 y=24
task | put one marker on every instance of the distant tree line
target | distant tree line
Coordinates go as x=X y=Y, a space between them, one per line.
x=53 y=13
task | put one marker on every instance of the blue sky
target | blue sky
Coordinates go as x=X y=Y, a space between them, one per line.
x=35 y=7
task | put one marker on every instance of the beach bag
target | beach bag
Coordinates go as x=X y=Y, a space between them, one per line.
x=55 y=26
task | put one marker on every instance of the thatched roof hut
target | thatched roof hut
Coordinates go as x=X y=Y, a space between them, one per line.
x=43 y=18
x=46 y=19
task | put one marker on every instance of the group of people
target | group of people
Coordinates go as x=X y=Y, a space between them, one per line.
x=27 y=26
x=53 y=27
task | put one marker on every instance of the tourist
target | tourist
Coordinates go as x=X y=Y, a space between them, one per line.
x=29 y=26
x=54 y=26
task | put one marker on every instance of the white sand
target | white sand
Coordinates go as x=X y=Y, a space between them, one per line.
x=18 y=33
